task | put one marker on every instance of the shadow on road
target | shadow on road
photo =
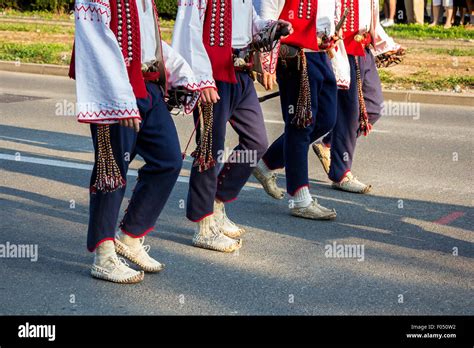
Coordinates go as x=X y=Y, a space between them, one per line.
x=46 y=139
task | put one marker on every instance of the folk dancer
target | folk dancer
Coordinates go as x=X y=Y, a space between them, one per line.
x=360 y=106
x=122 y=70
x=308 y=80
x=215 y=36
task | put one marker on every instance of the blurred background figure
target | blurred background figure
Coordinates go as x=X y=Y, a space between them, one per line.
x=437 y=13
x=389 y=8
x=460 y=5
x=415 y=10
x=470 y=10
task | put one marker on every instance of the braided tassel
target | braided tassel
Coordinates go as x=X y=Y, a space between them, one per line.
x=303 y=115
x=365 y=127
x=203 y=154
x=108 y=177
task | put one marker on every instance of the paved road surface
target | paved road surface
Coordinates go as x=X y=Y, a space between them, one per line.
x=419 y=214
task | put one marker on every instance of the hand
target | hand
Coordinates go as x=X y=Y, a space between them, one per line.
x=283 y=24
x=132 y=123
x=209 y=95
x=268 y=80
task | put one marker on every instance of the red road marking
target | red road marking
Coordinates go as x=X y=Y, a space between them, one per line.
x=449 y=218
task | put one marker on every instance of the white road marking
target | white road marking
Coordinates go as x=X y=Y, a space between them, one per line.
x=281 y=122
x=74 y=165
x=21 y=139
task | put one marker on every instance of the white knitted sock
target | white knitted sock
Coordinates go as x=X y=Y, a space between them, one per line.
x=131 y=242
x=302 y=198
x=264 y=169
x=206 y=223
x=104 y=251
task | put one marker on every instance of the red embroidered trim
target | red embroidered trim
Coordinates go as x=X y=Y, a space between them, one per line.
x=129 y=112
x=342 y=82
x=270 y=59
x=100 y=242
x=224 y=201
x=92 y=9
x=95 y=120
x=200 y=85
x=137 y=236
x=105 y=4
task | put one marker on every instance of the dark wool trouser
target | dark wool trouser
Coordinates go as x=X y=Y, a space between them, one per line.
x=343 y=137
x=238 y=105
x=290 y=150
x=157 y=143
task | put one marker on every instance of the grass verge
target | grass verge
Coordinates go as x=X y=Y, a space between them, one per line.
x=414 y=31
x=425 y=81
x=36 y=53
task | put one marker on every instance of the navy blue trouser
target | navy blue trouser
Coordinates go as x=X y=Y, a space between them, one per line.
x=290 y=150
x=158 y=144
x=343 y=137
x=238 y=105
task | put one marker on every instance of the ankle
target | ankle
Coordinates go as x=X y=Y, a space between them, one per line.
x=261 y=165
x=104 y=251
x=302 y=198
x=207 y=223
x=127 y=240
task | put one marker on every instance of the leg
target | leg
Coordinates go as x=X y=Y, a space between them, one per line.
x=158 y=144
x=373 y=98
x=203 y=185
x=409 y=11
x=436 y=11
x=392 y=7
x=325 y=120
x=449 y=13
x=344 y=134
x=247 y=121
x=104 y=207
x=273 y=157
x=297 y=141
x=371 y=87
x=419 y=11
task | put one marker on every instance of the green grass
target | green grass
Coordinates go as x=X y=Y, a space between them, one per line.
x=425 y=81
x=166 y=23
x=32 y=27
x=453 y=52
x=413 y=31
x=36 y=53
x=45 y=15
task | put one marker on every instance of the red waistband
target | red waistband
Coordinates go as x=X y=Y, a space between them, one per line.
x=151 y=76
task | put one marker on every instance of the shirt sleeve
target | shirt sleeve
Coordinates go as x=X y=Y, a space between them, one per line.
x=383 y=42
x=187 y=41
x=104 y=92
x=270 y=9
x=180 y=75
x=258 y=23
x=269 y=12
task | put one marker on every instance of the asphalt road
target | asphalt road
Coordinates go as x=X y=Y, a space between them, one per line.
x=416 y=227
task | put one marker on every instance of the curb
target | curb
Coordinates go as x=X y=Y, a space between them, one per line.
x=398 y=96
x=30 y=68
